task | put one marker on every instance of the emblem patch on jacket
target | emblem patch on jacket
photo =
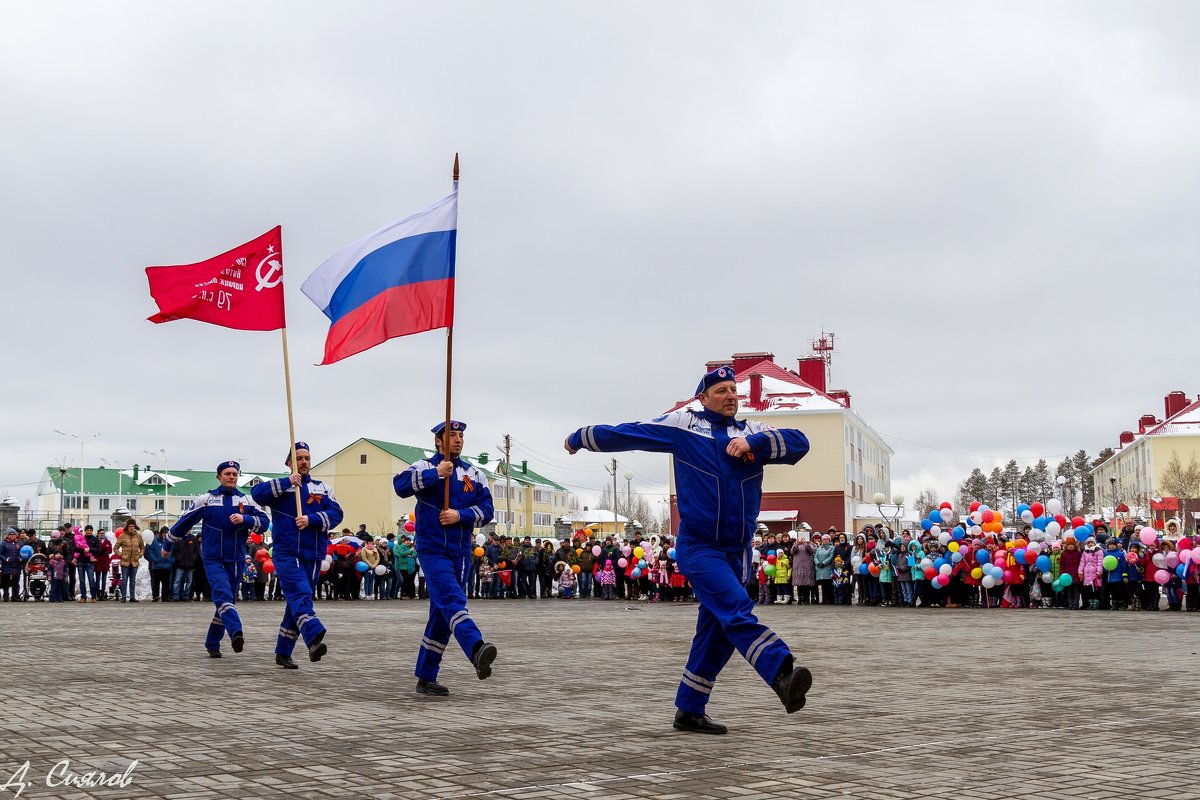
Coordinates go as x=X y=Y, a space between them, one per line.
x=468 y=484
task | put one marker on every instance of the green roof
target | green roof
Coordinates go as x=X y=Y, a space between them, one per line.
x=99 y=480
x=410 y=455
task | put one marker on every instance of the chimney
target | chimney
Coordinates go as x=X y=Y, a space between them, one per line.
x=841 y=395
x=1126 y=438
x=756 y=391
x=483 y=459
x=135 y=473
x=812 y=371
x=743 y=361
x=1175 y=402
x=524 y=467
x=709 y=366
x=1146 y=422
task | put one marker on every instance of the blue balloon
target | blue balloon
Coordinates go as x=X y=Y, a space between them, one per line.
x=1021 y=509
x=1040 y=523
x=771 y=552
x=26 y=552
x=641 y=563
x=1181 y=570
x=1042 y=563
x=956 y=557
x=997 y=572
x=1088 y=531
x=958 y=534
x=362 y=566
x=637 y=573
x=926 y=525
x=983 y=556
x=863 y=569
x=935 y=516
x=671 y=553
x=941 y=562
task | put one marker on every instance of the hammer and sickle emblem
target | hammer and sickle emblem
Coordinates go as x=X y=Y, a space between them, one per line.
x=271 y=276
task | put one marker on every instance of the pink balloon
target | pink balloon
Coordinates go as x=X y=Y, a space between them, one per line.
x=1148 y=536
x=1162 y=577
x=596 y=550
x=1185 y=556
x=943 y=580
x=622 y=563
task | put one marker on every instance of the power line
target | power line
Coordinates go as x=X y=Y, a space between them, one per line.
x=974 y=455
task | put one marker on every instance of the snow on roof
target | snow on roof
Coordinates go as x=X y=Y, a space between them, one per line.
x=782 y=390
x=1185 y=423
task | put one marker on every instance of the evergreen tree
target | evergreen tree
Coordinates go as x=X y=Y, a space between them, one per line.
x=995 y=488
x=1027 y=487
x=1043 y=485
x=1010 y=484
x=1082 y=465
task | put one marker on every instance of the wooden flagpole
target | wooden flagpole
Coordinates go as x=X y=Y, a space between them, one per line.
x=449 y=374
x=287 y=382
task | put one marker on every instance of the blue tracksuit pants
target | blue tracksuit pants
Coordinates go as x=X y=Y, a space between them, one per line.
x=297 y=577
x=446 y=578
x=725 y=622
x=223 y=576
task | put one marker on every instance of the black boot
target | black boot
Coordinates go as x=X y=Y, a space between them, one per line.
x=432 y=687
x=485 y=653
x=286 y=662
x=792 y=684
x=237 y=642
x=318 y=648
x=214 y=653
x=697 y=723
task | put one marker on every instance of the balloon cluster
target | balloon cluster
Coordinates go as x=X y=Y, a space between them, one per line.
x=772 y=560
x=264 y=560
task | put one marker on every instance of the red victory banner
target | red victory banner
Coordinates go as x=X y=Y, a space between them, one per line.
x=241 y=289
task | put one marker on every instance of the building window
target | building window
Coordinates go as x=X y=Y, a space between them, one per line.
x=184 y=505
x=542 y=519
x=498 y=492
x=362 y=459
x=541 y=496
x=159 y=505
x=103 y=501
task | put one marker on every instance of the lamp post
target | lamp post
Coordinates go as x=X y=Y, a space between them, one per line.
x=82 y=441
x=1061 y=480
x=879 y=498
x=629 y=493
x=1112 y=495
x=166 y=480
x=117 y=464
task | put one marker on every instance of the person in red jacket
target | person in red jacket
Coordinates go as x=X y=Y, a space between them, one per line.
x=1068 y=564
x=102 y=558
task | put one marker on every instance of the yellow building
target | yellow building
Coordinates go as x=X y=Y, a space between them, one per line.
x=1135 y=474
x=361 y=476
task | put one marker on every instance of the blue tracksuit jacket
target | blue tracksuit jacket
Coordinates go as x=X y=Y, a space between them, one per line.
x=220 y=539
x=469 y=495
x=719 y=496
x=322 y=510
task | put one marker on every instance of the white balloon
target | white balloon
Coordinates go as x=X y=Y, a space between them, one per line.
x=1054 y=507
x=1047 y=577
x=1033 y=547
x=480 y=539
x=947 y=515
x=756 y=556
x=380 y=570
x=946 y=569
x=943 y=538
x=1053 y=529
x=988 y=581
x=147 y=537
x=977 y=517
x=976 y=530
x=1036 y=535
x=854 y=561
x=1159 y=560
x=926 y=563
x=1027 y=517
x=935 y=530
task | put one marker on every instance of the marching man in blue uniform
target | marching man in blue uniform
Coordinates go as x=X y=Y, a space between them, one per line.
x=718 y=464
x=444 y=539
x=299 y=546
x=226 y=519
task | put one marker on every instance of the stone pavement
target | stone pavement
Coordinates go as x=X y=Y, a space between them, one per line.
x=906 y=704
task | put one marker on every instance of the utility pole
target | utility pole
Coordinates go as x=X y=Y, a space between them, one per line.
x=613 y=472
x=508 y=517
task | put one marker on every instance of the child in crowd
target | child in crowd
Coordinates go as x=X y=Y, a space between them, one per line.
x=58 y=578
x=485 y=578
x=249 y=573
x=841 y=582
x=782 y=577
x=607 y=580
x=764 y=585
x=566 y=583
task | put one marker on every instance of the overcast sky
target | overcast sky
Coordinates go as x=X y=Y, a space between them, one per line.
x=993 y=205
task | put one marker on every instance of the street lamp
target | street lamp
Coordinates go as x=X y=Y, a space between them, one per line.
x=1061 y=480
x=166 y=481
x=879 y=498
x=82 y=441
x=117 y=464
x=629 y=492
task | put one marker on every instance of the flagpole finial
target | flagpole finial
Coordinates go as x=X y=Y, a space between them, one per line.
x=456 y=167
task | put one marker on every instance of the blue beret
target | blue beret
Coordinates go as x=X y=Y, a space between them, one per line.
x=455 y=425
x=299 y=446
x=713 y=377
x=224 y=465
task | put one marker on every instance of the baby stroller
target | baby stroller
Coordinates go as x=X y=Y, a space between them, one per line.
x=37 y=577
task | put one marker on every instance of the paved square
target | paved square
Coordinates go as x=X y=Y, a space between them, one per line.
x=906 y=704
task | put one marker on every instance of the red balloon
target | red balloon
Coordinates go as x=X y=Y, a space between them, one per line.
x=945 y=505
x=1077 y=522
x=1061 y=520
x=256 y=538
x=771 y=559
x=1037 y=508
x=975 y=506
x=409 y=527
x=989 y=515
x=930 y=573
x=262 y=555
x=1185 y=543
x=268 y=566
x=329 y=550
x=874 y=569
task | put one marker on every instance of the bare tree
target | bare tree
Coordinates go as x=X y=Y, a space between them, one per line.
x=926 y=501
x=573 y=503
x=1181 y=482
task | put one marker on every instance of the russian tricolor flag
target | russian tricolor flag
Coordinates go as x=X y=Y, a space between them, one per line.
x=397 y=281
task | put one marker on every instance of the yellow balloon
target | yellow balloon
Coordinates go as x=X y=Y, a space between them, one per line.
x=953 y=547
x=977 y=573
x=638 y=552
